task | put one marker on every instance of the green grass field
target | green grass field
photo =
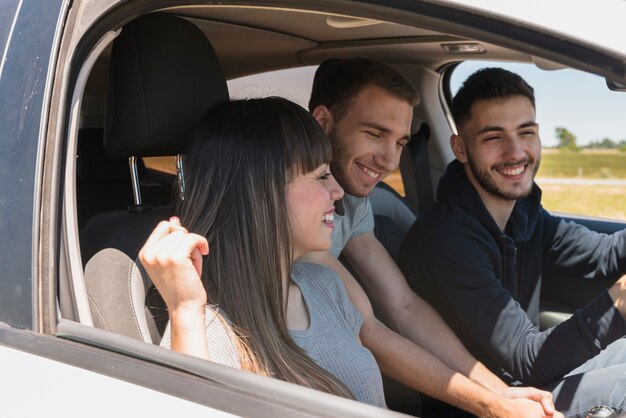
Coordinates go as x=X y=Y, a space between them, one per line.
x=591 y=164
x=604 y=201
x=593 y=200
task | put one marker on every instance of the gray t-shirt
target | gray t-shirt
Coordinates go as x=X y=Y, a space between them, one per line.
x=331 y=339
x=222 y=348
x=356 y=220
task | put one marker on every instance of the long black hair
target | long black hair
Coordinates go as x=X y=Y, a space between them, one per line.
x=237 y=166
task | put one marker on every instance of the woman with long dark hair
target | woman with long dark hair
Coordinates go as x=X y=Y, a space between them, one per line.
x=259 y=190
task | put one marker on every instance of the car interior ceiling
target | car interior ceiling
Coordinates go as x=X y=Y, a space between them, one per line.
x=245 y=43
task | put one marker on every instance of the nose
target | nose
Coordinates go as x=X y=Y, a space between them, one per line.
x=336 y=191
x=388 y=156
x=514 y=148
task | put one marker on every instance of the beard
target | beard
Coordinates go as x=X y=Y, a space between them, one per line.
x=338 y=167
x=487 y=182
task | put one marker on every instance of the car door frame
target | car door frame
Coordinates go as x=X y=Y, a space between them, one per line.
x=270 y=395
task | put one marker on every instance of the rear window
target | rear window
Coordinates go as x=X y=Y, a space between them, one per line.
x=293 y=84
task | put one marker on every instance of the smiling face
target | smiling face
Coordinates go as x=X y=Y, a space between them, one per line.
x=368 y=139
x=310 y=205
x=500 y=148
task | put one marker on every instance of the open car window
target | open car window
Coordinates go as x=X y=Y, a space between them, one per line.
x=58 y=179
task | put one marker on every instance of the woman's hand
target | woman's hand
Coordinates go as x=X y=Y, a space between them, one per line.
x=173 y=258
x=538 y=396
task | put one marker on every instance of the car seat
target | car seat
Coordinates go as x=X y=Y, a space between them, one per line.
x=164 y=75
x=392 y=217
x=102 y=182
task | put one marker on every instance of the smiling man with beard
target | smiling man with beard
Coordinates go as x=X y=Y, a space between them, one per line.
x=478 y=256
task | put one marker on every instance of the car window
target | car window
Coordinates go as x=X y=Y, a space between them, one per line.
x=294 y=84
x=583 y=167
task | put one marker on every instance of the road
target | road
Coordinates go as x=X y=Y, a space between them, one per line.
x=581 y=182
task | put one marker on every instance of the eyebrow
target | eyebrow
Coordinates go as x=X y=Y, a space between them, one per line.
x=530 y=124
x=382 y=129
x=500 y=129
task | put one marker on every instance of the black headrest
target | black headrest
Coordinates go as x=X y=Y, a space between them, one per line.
x=164 y=76
x=94 y=165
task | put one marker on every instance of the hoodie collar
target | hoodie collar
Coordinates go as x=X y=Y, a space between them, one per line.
x=455 y=187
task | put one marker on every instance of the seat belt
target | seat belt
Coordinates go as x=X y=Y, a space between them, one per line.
x=418 y=147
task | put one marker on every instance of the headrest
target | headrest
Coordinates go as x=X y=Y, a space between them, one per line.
x=94 y=165
x=164 y=76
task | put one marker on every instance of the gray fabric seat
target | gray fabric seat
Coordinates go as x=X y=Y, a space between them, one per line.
x=123 y=311
x=392 y=217
x=164 y=75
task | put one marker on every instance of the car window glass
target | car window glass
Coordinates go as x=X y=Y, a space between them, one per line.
x=293 y=84
x=583 y=167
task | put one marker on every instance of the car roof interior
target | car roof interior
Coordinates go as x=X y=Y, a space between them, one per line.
x=250 y=40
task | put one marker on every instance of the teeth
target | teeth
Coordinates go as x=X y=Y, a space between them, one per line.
x=329 y=217
x=513 y=172
x=369 y=172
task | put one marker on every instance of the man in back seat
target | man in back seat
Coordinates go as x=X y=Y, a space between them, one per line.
x=366 y=108
x=478 y=255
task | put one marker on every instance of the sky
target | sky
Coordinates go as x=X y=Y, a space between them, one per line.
x=577 y=101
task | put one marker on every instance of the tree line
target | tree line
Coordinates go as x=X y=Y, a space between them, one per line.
x=567 y=142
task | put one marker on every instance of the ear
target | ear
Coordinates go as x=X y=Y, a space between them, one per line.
x=323 y=116
x=457 y=143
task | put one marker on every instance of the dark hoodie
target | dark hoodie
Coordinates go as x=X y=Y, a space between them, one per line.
x=486 y=283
